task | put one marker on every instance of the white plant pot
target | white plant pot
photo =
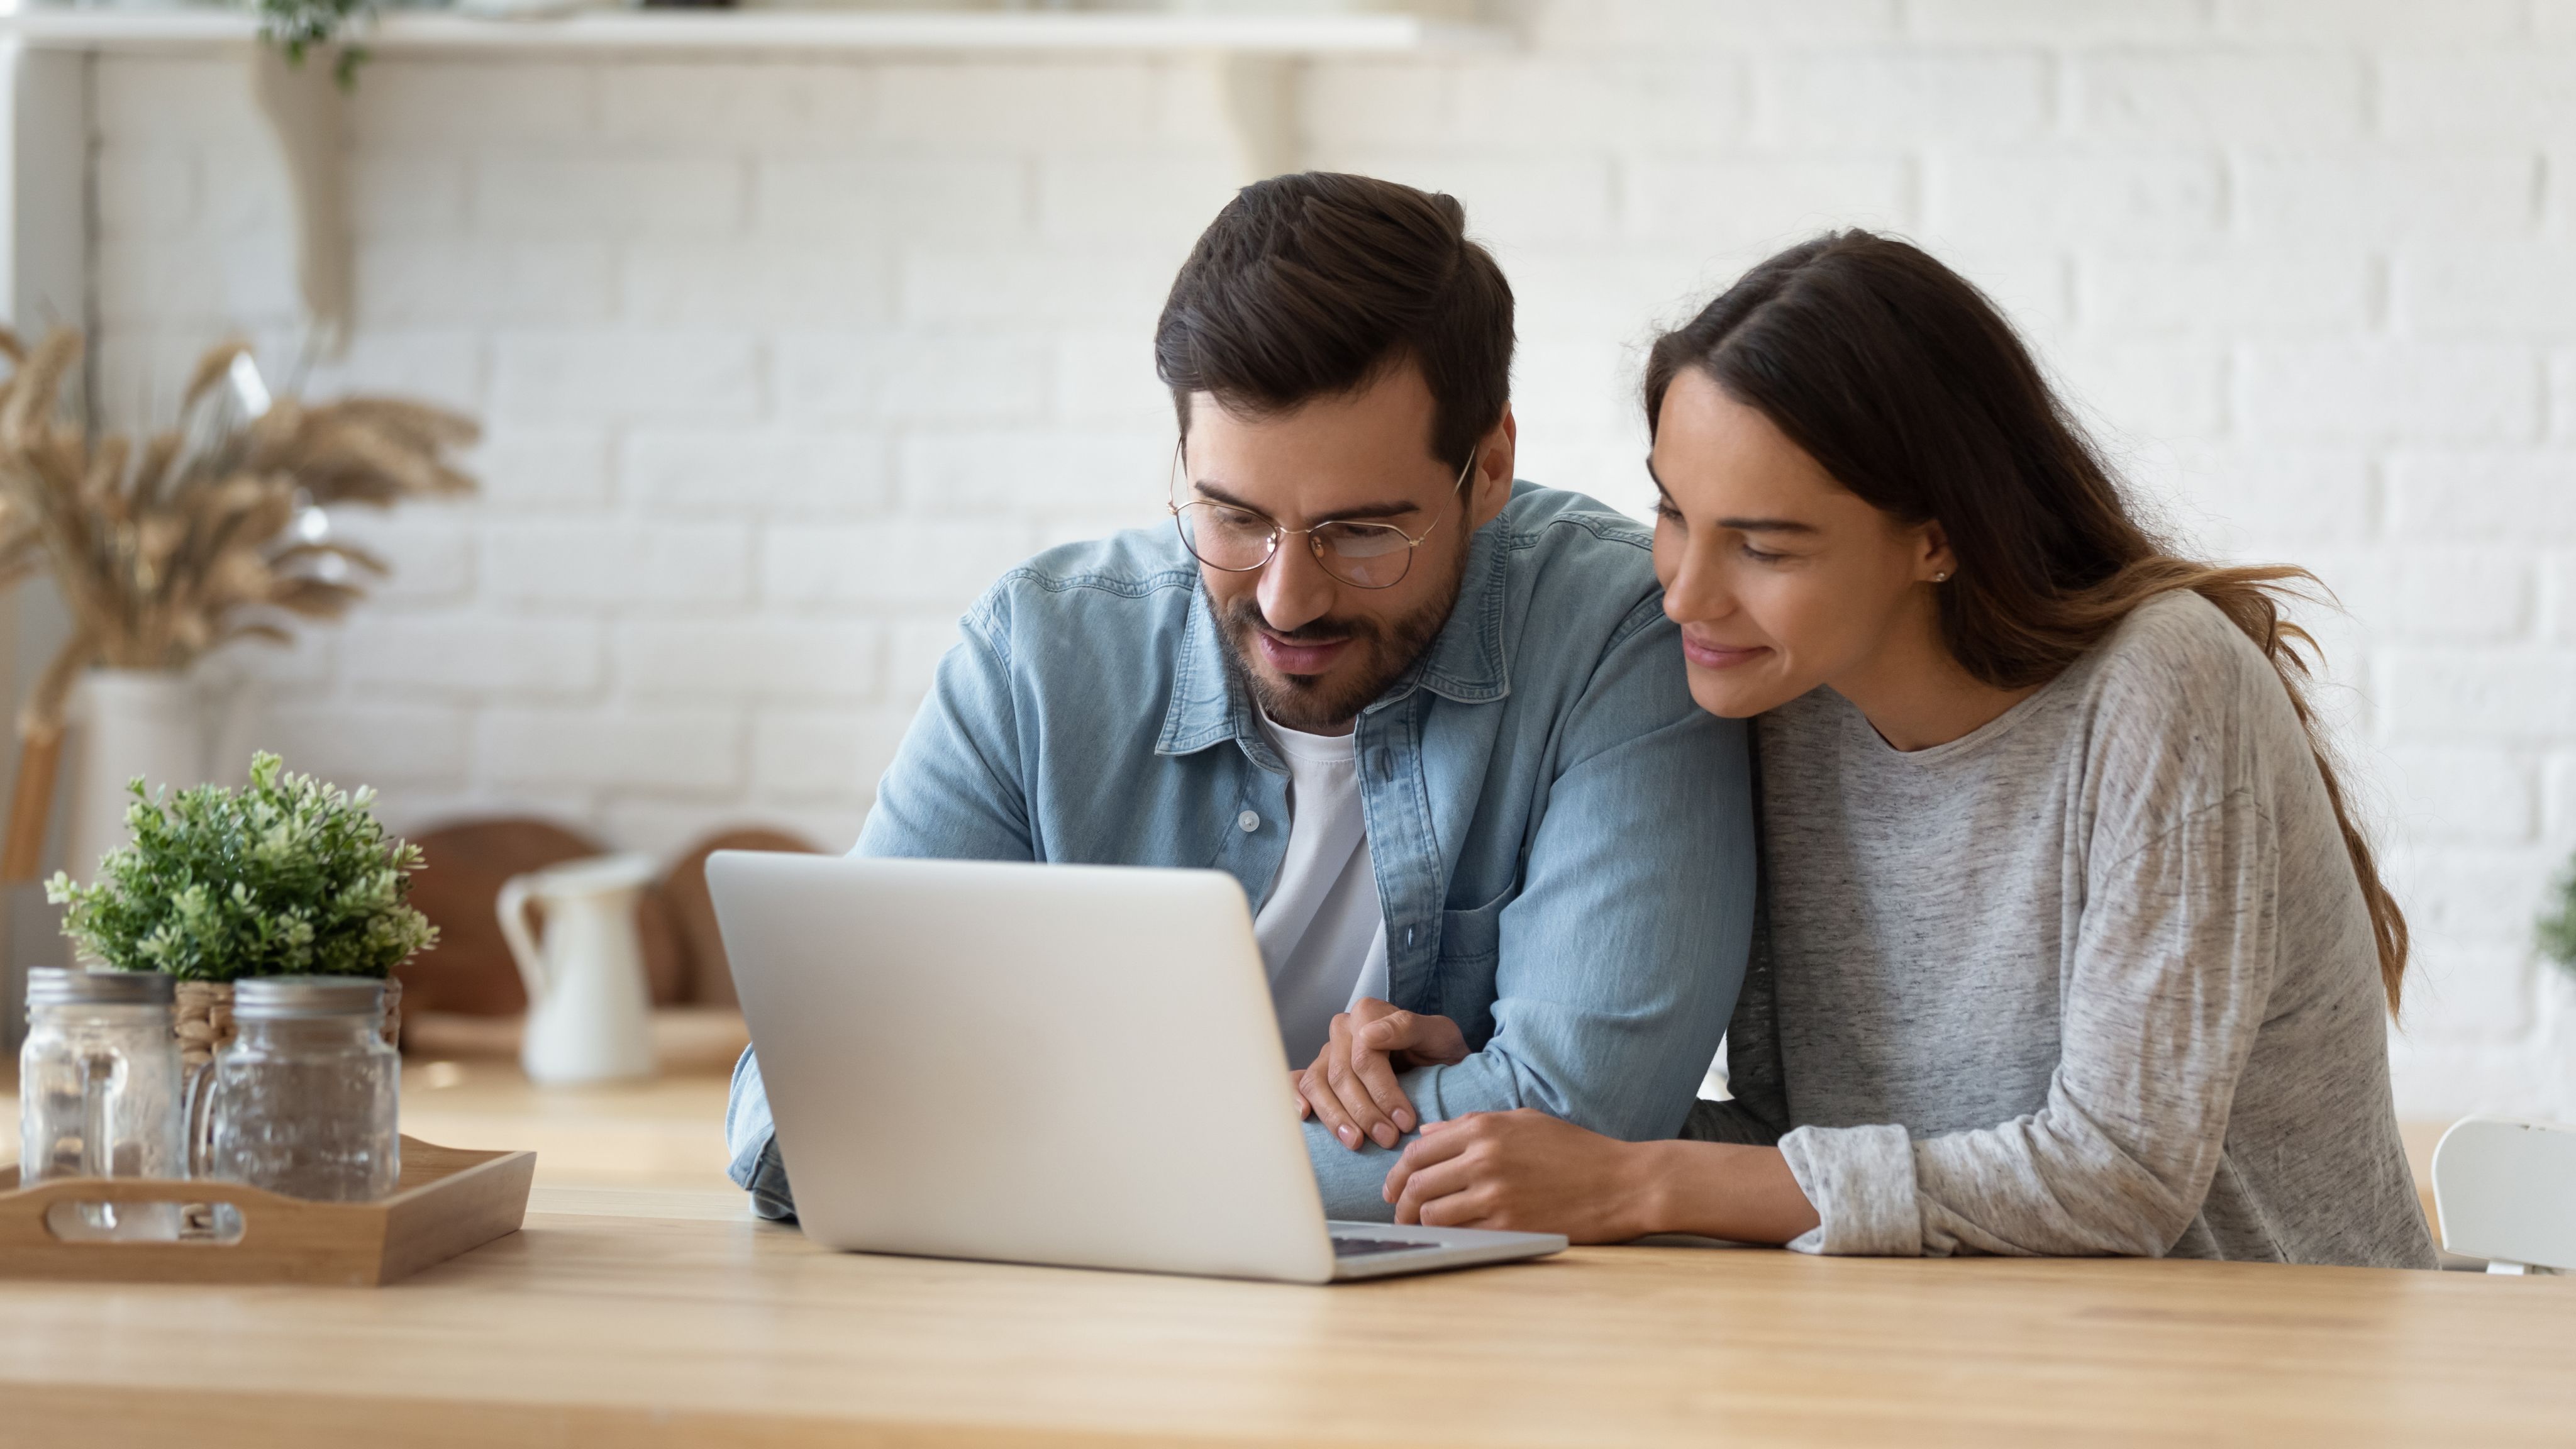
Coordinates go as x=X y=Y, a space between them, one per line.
x=131 y=722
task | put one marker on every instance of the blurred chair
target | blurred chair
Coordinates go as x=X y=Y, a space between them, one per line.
x=693 y=911
x=2506 y=1192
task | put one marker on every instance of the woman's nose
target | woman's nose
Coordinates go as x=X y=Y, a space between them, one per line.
x=1697 y=591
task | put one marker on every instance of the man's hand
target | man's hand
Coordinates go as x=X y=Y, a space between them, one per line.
x=1524 y=1171
x=1351 y=1087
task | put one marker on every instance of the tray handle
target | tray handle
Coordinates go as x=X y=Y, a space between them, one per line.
x=24 y=1212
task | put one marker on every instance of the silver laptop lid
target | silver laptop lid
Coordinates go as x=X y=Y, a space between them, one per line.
x=1038 y=1063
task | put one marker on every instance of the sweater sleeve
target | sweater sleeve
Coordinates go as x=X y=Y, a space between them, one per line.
x=2171 y=974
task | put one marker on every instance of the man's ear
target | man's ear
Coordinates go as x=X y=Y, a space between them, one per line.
x=1491 y=488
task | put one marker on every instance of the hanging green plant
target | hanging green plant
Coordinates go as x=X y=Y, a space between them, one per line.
x=296 y=26
x=2557 y=931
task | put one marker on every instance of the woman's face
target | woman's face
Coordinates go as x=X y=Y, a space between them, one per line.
x=1781 y=578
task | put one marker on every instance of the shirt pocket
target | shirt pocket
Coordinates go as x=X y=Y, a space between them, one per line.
x=1471 y=948
x=1477 y=934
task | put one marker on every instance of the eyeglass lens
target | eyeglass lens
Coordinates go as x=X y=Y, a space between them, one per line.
x=1367 y=555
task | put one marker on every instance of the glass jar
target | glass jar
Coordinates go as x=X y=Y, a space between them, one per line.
x=99 y=1090
x=304 y=1100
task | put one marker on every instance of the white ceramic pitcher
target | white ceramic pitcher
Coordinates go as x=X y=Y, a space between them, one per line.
x=589 y=1016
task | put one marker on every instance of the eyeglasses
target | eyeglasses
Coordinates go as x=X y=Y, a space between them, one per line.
x=1240 y=541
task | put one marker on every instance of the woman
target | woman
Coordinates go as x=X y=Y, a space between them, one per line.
x=2071 y=944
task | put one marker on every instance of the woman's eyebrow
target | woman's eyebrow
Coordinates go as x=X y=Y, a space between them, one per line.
x=1740 y=525
x=1661 y=491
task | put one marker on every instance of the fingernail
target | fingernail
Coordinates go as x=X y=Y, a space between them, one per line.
x=1403 y=1119
x=1350 y=1136
x=1384 y=1134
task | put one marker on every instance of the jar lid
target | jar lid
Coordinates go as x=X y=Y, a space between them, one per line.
x=57 y=986
x=285 y=998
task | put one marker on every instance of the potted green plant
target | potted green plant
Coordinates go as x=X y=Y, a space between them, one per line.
x=286 y=876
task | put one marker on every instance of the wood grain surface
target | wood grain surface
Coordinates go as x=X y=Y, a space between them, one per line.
x=595 y=1327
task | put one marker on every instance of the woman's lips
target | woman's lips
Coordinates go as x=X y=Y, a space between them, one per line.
x=1301 y=658
x=1720 y=656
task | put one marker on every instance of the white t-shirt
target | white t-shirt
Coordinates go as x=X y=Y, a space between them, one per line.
x=1322 y=932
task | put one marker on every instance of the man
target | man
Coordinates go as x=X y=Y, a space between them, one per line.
x=1434 y=721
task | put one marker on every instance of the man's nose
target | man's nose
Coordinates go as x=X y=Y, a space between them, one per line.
x=1295 y=590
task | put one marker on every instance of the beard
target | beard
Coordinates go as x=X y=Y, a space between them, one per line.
x=1379 y=653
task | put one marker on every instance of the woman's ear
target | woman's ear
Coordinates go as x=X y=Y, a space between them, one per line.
x=1491 y=488
x=1934 y=563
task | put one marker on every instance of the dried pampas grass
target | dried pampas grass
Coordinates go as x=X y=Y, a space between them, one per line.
x=196 y=536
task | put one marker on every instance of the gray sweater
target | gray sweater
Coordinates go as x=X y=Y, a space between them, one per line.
x=2096 y=978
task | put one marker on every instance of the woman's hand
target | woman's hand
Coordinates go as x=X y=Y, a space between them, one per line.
x=1528 y=1172
x=1351 y=1087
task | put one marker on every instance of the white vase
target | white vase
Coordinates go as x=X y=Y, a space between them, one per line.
x=131 y=722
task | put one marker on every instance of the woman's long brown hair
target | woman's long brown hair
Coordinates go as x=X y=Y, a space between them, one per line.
x=1907 y=385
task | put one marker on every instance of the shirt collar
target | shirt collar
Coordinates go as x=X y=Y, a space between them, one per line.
x=1464 y=663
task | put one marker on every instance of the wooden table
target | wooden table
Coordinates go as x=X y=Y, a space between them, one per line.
x=665 y=1131
x=666 y=1318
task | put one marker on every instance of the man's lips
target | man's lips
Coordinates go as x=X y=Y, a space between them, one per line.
x=1720 y=656
x=1313 y=657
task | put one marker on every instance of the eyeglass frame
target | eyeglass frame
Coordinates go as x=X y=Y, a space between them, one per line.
x=1279 y=531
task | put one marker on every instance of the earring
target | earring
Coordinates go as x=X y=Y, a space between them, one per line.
x=1942 y=577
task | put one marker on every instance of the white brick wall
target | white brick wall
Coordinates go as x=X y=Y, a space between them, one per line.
x=783 y=361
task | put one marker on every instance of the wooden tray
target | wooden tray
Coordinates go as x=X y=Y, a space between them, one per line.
x=448 y=1201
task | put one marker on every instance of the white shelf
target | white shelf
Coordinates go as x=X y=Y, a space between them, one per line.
x=1254 y=58
x=786 y=30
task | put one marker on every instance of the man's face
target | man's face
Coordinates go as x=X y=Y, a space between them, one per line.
x=1313 y=648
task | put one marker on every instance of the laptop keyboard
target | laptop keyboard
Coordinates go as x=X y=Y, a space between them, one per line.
x=1363 y=1247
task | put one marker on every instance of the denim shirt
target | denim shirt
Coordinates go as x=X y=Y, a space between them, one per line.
x=1562 y=839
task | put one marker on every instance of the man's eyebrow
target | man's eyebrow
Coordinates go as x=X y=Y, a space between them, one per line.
x=1739 y=525
x=1359 y=514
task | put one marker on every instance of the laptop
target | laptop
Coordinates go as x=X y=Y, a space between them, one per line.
x=1060 y=1064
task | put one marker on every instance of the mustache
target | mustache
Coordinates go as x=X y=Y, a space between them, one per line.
x=1245 y=615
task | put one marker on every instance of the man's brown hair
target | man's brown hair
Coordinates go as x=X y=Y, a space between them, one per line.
x=1313 y=285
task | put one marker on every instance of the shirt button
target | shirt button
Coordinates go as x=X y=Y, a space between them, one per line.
x=1249 y=821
